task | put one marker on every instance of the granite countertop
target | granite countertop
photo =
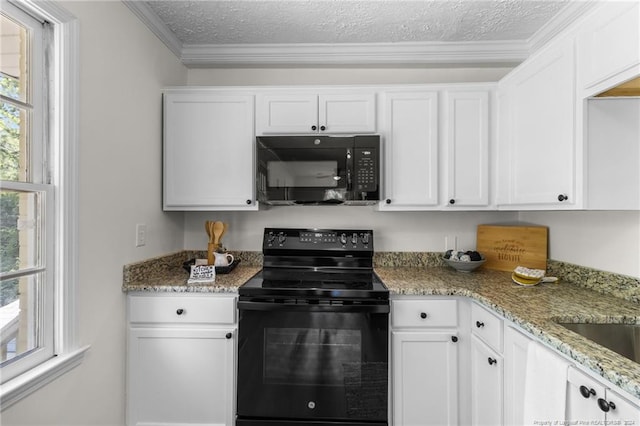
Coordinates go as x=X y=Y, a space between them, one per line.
x=535 y=309
x=165 y=274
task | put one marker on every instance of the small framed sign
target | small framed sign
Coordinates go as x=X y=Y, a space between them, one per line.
x=202 y=274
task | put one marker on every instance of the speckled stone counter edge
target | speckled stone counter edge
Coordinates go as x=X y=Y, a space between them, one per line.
x=620 y=286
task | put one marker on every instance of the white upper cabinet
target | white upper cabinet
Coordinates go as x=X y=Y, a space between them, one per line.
x=609 y=47
x=466 y=136
x=330 y=113
x=410 y=150
x=537 y=138
x=208 y=150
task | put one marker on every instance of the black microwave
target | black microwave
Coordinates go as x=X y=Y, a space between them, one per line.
x=318 y=169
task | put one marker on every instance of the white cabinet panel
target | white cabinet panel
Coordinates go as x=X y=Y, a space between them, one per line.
x=486 y=326
x=467 y=142
x=486 y=384
x=424 y=375
x=411 y=150
x=181 y=366
x=590 y=401
x=539 y=130
x=609 y=46
x=180 y=377
x=287 y=114
x=183 y=309
x=311 y=113
x=208 y=151
x=424 y=313
x=515 y=366
x=347 y=113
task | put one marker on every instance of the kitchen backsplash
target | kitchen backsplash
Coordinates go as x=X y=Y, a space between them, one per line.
x=621 y=286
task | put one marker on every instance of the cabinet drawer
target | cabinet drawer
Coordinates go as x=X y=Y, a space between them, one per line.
x=182 y=309
x=487 y=326
x=424 y=313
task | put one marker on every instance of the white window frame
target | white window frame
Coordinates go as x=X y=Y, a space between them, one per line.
x=66 y=351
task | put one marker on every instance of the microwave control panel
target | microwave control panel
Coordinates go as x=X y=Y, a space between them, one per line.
x=366 y=166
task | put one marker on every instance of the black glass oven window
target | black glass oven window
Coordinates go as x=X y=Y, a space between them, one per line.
x=311 y=356
x=296 y=174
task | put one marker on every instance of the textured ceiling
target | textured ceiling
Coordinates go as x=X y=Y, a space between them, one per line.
x=337 y=21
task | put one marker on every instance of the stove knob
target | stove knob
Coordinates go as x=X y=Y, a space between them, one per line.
x=343 y=239
x=281 y=238
x=365 y=238
x=270 y=238
x=354 y=239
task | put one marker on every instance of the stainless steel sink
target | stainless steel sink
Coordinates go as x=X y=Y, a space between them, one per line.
x=623 y=339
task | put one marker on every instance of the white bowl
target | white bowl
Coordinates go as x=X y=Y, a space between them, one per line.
x=462 y=266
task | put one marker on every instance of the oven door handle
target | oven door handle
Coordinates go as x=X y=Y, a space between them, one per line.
x=267 y=306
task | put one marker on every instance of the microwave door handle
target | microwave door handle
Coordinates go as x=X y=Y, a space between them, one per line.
x=349 y=163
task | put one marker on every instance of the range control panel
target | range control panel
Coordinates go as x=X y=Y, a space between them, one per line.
x=318 y=239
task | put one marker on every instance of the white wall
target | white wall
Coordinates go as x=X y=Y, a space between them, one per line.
x=393 y=231
x=123 y=70
x=605 y=240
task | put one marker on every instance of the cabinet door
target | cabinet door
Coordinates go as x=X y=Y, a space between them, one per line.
x=486 y=384
x=180 y=377
x=609 y=46
x=208 y=152
x=515 y=367
x=589 y=401
x=541 y=130
x=411 y=151
x=424 y=374
x=287 y=113
x=621 y=411
x=582 y=399
x=347 y=113
x=467 y=142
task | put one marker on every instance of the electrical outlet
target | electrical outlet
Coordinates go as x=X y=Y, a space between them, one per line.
x=141 y=234
x=451 y=242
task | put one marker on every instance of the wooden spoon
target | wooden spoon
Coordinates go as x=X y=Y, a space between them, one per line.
x=223 y=231
x=218 y=229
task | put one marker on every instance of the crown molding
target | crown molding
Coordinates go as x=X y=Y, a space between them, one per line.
x=473 y=53
x=567 y=16
x=153 y=22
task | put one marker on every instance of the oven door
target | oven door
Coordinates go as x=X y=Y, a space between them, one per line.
x=315 y=363
x=293 y=170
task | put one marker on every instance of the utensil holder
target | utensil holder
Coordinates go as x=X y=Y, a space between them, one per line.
x=212 y=247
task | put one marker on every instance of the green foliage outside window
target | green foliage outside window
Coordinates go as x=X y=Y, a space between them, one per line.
x=9 y=169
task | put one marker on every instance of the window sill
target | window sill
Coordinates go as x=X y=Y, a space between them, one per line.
x=27 y=383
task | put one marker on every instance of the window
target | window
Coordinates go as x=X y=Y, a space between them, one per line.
x=26 y=221
x=37 y=196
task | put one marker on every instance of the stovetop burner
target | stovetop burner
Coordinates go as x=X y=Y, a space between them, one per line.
x=317 y=264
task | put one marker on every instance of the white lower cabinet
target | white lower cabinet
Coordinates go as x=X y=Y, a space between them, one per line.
x=486 y=384
x=486 y=367
x=591 y=402
x=424 y=371
x=515 y=366
x=180 y=363
x=424 y=362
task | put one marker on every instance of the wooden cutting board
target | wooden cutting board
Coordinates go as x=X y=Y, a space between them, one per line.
x=507 y=246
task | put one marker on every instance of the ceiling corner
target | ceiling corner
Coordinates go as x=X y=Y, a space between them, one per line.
x=159 y=28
